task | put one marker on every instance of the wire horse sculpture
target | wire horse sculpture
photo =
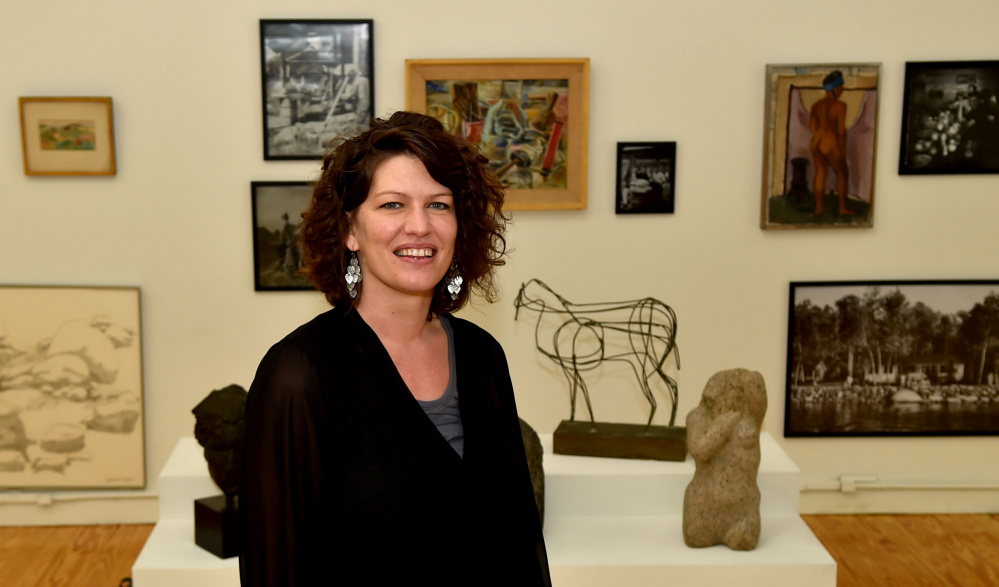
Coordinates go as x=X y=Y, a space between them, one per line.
x=650 y=330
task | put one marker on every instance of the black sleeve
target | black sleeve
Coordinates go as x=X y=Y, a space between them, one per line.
x=280 y=498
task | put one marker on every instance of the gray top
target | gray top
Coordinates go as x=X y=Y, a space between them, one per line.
x=443 y=411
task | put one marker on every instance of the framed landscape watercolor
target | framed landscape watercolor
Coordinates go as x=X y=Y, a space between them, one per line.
x=71 y=394
x=950 y=118
x=893 y=358
x=646 y=178
x=67 y=136
x=277 y=245
x=318 y=83
x=528 y=116
x=820 y=145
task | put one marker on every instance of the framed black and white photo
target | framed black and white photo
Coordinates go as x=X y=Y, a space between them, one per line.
x=318 y=83
x=277 y=245
x=893 y=358
x=646 y=176
x=949 y=118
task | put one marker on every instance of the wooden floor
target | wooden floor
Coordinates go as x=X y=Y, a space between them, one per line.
x=876 y=550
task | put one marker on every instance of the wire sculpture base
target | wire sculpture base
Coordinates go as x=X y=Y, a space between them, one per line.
x=620 y=441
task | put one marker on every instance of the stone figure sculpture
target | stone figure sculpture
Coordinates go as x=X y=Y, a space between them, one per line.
x=722 y=502
x=219 y=427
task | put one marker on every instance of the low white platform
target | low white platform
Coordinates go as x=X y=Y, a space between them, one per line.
x=607 y=522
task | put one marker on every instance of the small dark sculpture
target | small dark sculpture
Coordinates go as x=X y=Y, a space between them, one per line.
x=220 y=427
x=648 y=326
x=722 y=502
x=535 y=455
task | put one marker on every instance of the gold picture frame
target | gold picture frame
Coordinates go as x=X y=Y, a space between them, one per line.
x=67 y=136
x=529 y=116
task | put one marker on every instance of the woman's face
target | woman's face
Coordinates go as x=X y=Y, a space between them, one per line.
x=403 y=232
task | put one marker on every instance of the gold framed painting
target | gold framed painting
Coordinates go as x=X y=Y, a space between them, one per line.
x=67 y=136
x=528 y=116
x=820 y=144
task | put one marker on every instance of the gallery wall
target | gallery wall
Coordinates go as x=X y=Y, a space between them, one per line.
x=176 y=221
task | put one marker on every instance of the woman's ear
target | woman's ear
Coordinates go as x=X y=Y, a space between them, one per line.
x=351 y=239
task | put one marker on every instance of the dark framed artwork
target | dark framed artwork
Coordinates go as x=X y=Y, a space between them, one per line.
x=71 y=388
x=67 y=136
x=949 y=118
x=528 y=116
x=277 y=246
x=317 y=80
x=646 y=176
x=820 y=137
x=893 y=358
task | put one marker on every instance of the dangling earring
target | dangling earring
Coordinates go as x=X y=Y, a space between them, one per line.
x=353 y=275
x=454 y=280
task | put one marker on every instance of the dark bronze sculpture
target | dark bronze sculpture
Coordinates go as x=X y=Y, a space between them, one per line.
x=220 y=427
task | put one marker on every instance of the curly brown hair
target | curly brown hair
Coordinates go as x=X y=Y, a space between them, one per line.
x=349 y=167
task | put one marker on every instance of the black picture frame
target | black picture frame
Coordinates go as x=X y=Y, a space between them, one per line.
x=310 y=94
x=277 y=252
x=892 y=358
x=950 y=118
x=646 y=178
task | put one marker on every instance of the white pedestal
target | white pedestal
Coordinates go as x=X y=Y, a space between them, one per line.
x=607 y=522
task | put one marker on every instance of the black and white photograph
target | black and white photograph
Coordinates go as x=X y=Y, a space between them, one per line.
x=949 y=118
x=277 y=243
x=893 y=358
x=317 y=79
x=646 y=174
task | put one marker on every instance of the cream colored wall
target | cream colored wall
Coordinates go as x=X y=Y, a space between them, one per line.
x=175 y=220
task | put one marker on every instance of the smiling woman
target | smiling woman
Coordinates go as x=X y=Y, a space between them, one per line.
x=386 y=429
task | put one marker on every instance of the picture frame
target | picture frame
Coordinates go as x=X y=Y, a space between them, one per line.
x=317 y=79
x=72 y=414
x=950 y=118
x=796 y=159
x=892 y=358
x=67 y=135
x=277 y=248
x=646 y=178
x=528 y=116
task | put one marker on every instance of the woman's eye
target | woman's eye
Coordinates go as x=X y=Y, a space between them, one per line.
x=391 y=205
x=440 y=206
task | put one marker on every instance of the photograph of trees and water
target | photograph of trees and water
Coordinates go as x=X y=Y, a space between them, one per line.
x=893 y=358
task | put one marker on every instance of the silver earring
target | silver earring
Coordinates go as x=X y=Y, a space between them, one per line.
x=454 y=280
x=353 y=275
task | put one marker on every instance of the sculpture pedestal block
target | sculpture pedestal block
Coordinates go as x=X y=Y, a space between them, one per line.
x=620 y=441
x=216 y=527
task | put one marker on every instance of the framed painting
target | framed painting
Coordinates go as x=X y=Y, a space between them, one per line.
x=528 y=116
x=893 y=358
x=317 y=81
x=646 y=176
x=71 y=396
x=67 y=136
x=820 y=145
x=277 y=248
x=949 y=116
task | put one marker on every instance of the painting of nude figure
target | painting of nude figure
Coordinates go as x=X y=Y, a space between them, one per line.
x=71 y=409
x=820 y=146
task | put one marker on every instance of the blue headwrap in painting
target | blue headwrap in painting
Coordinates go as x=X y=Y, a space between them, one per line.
x=833 y=81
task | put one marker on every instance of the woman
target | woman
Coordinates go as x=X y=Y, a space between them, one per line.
x=383 y=443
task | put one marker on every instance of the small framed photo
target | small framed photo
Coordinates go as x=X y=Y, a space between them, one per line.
x=949 y=118
x=277 y=247
x=646 y=176
x=317 y=81
x=820 y=145
x=528 y=116
x=71 y=393
x=67 y=136
x=892 y=358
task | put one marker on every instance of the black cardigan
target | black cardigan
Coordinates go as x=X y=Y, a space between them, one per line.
x=346 y=478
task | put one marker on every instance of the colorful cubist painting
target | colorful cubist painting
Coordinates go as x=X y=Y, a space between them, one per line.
x=819 y=155
x=520 y=125
x=67 y=135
